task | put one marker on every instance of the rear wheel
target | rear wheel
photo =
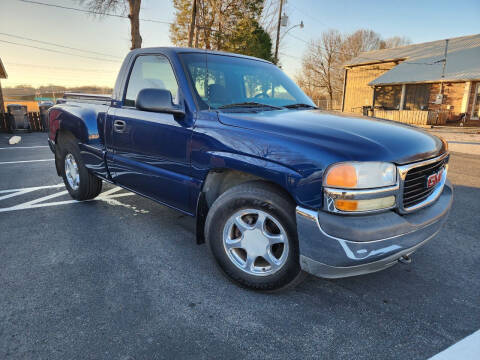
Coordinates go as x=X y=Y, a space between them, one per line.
x=80 y=183
x=251 y=232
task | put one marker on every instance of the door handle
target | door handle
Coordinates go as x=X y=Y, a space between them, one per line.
x=119 y=125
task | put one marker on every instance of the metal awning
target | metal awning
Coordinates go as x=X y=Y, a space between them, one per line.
x=420 y=63
x=462 y=65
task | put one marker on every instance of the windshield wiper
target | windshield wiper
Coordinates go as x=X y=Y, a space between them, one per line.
x=249 y=105
x=297 y=106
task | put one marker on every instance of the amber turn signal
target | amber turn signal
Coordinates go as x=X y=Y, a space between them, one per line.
x=346 y=205
x=365 y=205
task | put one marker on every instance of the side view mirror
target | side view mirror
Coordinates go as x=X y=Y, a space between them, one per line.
x=157 y=100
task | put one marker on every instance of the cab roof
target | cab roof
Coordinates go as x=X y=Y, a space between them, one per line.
x=182 y=50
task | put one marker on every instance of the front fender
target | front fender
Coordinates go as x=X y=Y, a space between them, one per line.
x=297 y=185
x=291 y=164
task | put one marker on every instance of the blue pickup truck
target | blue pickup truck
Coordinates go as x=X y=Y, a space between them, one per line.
x=278 y=188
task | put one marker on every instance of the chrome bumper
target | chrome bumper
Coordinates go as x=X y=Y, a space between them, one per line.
x=334 y=246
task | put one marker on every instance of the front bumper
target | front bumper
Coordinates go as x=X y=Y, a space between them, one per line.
x=334 y=246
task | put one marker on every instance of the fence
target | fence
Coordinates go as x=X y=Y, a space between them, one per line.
x=326 y=104
x=414 y=117
x=3 y=125
x=33 y=117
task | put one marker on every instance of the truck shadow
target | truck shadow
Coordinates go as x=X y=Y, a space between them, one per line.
x=437 y=293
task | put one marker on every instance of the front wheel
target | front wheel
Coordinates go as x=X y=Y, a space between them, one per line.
x=80 y=183
x=251 y=232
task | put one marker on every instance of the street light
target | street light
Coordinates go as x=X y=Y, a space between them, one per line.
x=283 y=21
x=301 y=26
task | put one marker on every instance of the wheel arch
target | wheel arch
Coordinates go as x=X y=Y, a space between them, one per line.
x=220 y=179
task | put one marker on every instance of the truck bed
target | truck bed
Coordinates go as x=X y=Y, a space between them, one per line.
x=103 y=99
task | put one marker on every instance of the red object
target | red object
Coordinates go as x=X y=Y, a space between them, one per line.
x=434 y=179
x=54 y=123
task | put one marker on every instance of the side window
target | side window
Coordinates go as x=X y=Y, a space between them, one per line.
x=216 y=79
x=151 y=71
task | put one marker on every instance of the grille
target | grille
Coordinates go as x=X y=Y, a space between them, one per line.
x=415 y=186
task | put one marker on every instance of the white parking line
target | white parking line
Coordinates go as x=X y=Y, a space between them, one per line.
x=24 y=147
x=44 y=198
x=39 y=202
x=466 y=349
x=17 y=192
x=32 y=188
x=24 y=161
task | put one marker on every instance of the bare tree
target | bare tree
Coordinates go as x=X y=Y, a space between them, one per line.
x=120 y=6
x=322 y=65
x=360 y=41
x=269 y=16
x=394 y=42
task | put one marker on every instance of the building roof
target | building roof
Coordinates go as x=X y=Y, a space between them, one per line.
x=3 y=72
x=421 y=63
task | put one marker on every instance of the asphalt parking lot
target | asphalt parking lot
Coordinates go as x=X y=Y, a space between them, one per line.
x=122 y=278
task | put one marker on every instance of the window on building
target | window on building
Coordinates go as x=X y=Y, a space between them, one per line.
x=416 y=96
x=388 y=97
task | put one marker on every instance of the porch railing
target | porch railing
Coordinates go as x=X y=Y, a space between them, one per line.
x=415 y=117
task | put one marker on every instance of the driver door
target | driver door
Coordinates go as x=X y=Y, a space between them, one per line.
x=150 y=148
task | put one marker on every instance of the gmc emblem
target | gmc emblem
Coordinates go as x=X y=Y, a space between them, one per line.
x=434 y=179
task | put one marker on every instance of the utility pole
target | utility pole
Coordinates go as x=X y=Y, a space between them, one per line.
x=444 y=65
x=275 y=58
x=192 y=24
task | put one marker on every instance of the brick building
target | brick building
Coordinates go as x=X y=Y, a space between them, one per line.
x=415 y=84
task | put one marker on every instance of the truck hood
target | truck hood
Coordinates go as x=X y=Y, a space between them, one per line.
x=346 y=137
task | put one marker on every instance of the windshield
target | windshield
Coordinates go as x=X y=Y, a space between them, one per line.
x=228 y=82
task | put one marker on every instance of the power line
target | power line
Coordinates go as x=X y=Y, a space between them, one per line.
x=58 y=45
x=307 y=14
x=57 y=51
x=91 y=11
x=291 y=56
x=62 y=68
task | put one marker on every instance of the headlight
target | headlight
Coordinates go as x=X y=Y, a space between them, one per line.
x=347 y=187
x=361 y=175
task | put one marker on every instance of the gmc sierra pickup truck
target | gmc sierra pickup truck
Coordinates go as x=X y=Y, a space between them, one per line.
x=278 y=188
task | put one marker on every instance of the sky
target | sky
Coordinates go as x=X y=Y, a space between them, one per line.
x=418 y=20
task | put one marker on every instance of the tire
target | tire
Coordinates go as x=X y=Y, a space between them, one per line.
x=87 y=186
x=263 y=213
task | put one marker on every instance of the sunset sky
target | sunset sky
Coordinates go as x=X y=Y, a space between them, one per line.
x=420 y=21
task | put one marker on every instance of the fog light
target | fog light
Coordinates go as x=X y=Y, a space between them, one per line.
x=365 y=205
